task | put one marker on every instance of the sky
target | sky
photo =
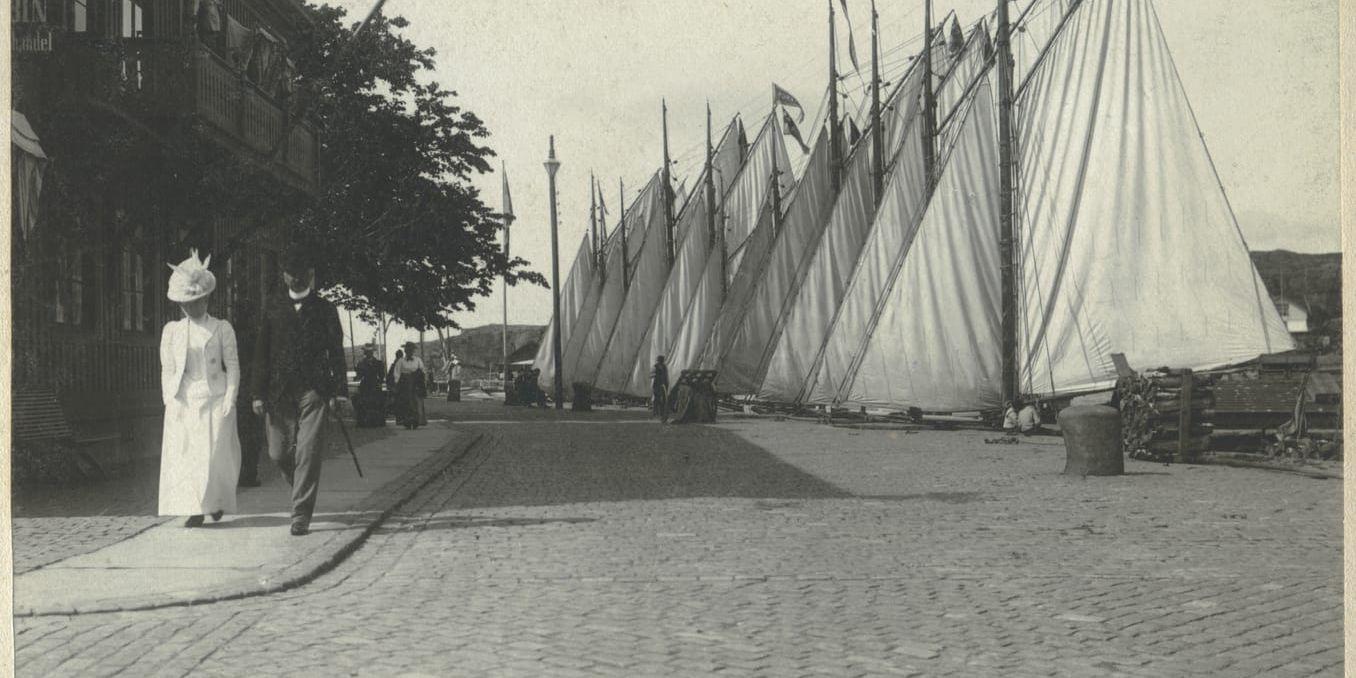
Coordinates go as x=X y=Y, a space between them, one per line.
x=1262 y=77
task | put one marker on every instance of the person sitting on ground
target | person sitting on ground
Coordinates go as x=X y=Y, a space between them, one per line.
x=1009 y=418
x=1029 y=420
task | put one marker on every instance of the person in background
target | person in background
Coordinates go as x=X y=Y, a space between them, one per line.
x=1029 y=420
x=199 y=380
x=299 y=373
x=392 y=402
x=369 y=405
x=659 y=389
x=411 y=387
x=1010 y=418
x=454 y=380
x=534 y=383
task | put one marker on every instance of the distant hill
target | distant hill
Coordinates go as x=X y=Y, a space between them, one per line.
x=480 y=348
x=1315 y=279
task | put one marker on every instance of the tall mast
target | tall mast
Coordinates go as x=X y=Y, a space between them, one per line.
x=1006 y=196
x=929 y=102
x=668 y=190
x=602 y=231
x=595 y=247
x=626 y=254
x=776 y=198
x=710 y=183
x=835 y=128
x=716 y=233
x=877 y=142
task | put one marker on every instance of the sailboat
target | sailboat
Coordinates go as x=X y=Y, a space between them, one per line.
x=1088 y=209
x=743 y=210
x=1020 y=209
x=586 y=348
x=664 y=277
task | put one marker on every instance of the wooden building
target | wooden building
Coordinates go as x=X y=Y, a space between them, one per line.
x=129 y=99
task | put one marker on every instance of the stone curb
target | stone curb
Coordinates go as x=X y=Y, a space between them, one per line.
x=381 y=504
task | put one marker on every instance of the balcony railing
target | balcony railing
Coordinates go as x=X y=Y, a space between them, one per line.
x=165 y=79
x=228 y=100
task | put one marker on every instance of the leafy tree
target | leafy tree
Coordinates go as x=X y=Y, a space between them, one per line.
x=401 y=229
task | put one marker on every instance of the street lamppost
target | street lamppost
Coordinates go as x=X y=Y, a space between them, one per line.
x=552 y=166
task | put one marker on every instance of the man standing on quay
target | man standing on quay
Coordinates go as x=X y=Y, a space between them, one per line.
x=659 y=389
x=298 y=372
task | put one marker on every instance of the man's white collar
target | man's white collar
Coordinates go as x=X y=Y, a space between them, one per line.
x=299 y=296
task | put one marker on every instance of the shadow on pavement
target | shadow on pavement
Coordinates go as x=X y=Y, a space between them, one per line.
x=134 y=489
x=535 y=464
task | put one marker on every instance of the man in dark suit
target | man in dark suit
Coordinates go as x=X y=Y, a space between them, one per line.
x=298 y=371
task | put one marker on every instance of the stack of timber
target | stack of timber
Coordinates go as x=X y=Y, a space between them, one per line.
x=1165 y=415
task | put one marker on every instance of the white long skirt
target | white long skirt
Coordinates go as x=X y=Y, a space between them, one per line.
x=200 y=455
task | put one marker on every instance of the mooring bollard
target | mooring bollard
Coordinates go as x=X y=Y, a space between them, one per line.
x=1092 y=440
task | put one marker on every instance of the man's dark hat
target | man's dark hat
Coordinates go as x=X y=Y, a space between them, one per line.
x=297 y=260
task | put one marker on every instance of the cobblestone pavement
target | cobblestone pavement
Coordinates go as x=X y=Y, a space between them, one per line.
x=781 y=549
x=53 y=523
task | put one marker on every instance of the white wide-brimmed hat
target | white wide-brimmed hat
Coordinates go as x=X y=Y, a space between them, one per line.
x=191 y=280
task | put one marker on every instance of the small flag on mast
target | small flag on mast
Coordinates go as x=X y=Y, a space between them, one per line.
x=852 y=44
x=784 y=98
x=794 y=131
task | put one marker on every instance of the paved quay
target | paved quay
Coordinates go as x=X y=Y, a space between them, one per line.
x=108 y=551
x=756 y=547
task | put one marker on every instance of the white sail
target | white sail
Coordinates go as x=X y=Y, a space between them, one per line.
x=741 y=210
x=650 y=281
x=795 y=351
x=936 y=342
x=689 y=267
x=612 y=293
x=744 y=330
x=892 y=231
x=572 y=295
x=1128 y=242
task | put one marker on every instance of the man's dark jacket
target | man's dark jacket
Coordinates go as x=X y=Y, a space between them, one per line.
x=299 y=351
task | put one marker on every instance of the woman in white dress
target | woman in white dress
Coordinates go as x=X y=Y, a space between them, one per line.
x=199 y=379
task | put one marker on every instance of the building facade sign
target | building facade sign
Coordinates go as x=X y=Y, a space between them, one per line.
x=32 y=38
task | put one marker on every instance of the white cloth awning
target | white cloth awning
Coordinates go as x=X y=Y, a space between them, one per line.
x=28 y=164
x=23 y=136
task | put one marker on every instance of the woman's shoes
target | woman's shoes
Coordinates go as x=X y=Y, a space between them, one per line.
x=193 y=521
x=216 y=516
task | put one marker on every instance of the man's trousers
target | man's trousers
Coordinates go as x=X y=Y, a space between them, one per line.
x=301 y=421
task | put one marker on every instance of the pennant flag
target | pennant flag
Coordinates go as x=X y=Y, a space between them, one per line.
x=852 y=44
x=794 y=131
x=784 y=98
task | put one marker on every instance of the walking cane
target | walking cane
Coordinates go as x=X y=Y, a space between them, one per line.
x=347 y=440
